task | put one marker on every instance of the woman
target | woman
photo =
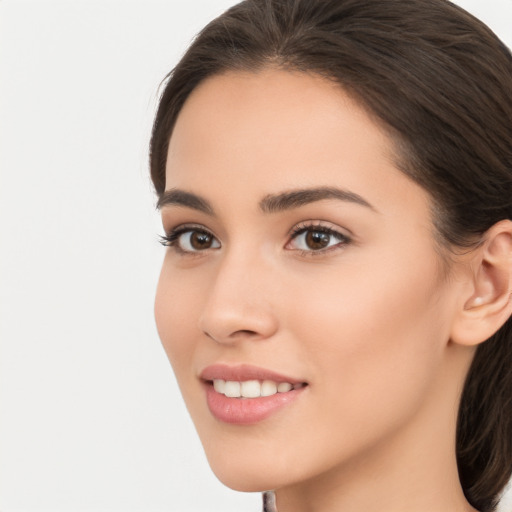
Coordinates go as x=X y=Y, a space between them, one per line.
x=335 y=183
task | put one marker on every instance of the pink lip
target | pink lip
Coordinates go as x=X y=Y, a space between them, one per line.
x=244 y=372
x=245 y=411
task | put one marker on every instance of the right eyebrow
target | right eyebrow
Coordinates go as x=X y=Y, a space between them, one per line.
x=179 y=197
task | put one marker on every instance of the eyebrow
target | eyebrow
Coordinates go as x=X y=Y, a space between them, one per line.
x=297 y=198
x=271 y=203
x=181 y=198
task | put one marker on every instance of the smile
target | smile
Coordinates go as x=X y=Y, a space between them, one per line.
x=252 y=388
x=245 y=395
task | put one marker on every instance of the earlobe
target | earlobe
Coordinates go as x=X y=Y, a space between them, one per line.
x=490 y=303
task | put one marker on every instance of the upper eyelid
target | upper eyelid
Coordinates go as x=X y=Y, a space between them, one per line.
x=336 y=233
x=320 y=224
x=184 y=227
x=307 y=224
x=174 y=234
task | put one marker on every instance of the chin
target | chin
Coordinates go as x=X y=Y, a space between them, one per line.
x=248 y=474
x=244 y=475
x=244 y=481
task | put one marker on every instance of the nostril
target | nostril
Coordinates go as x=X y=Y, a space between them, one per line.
x=244 y=334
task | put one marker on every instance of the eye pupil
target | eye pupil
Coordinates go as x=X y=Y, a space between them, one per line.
x=200 y=240
x=317 y=239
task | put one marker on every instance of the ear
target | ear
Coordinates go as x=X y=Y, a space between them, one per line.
x=488 y=301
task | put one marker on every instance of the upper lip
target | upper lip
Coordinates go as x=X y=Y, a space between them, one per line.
x=244 y=372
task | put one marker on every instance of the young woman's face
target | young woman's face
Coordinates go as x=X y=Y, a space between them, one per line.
x=298 y=255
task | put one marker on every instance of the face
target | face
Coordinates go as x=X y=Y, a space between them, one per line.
x=299 y=260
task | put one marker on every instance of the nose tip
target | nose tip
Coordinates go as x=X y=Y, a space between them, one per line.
x=238 y=309
x=228 y=325
x=239 y=301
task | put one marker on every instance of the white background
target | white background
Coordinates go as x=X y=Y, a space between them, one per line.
x=90 y=415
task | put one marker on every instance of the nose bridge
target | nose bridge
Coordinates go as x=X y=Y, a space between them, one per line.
x=239 y=303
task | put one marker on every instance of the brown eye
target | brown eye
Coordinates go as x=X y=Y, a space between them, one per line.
x=317 y=240
x=195 y=240
x=200 y=241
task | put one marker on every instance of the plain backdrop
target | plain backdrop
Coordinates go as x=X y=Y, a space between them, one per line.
x=90 y=415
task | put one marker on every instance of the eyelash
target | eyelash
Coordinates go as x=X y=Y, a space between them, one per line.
x=172 y=239
x=343 y=240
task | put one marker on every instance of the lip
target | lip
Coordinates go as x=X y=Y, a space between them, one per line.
x=246 y=411
x=244 y=372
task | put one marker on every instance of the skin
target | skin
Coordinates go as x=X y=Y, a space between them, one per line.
x=366 y=323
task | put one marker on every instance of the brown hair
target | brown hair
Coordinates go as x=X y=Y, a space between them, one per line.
x=441 y=83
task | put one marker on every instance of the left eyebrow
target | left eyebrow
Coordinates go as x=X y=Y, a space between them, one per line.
x=273 y=203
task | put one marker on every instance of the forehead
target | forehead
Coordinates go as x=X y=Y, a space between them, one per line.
x=267 y=107
x=275 y=130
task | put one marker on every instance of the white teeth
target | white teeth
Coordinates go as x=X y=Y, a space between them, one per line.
x=268 y=388
x=283 y=387
x=251 y=388
x=219 y=385
x=232 y=389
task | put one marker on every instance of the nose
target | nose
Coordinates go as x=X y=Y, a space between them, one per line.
x=239 y=305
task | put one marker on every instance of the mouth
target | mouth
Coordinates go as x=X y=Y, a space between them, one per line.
x=252 y=388
x=246 y=394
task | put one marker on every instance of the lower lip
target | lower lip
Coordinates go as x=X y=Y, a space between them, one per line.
x=247 y=411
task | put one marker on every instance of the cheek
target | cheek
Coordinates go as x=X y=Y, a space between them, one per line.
x=176 y=306
x=376 y=342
